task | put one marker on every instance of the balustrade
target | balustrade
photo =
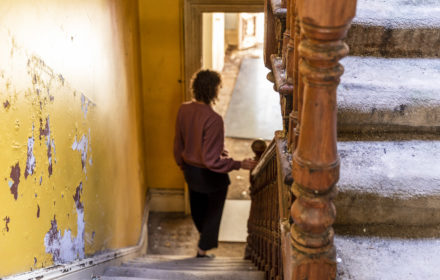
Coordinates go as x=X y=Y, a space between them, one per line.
x=293 y=185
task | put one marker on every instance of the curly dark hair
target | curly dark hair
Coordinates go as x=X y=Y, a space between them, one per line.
x=205 y=85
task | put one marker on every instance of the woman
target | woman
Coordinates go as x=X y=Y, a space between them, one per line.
x=199 y=151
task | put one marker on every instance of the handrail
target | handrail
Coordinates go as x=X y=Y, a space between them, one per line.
x=264 y=242
x=293 y=185
x=278 y=10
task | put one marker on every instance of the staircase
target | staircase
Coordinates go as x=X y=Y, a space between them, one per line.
x=388 y=204
x=154 y=267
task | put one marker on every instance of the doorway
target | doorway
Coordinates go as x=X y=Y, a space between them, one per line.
x=232 y=44
x=194 y=10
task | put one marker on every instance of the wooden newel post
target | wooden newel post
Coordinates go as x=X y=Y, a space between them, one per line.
x=258 y=147
x=324 y=23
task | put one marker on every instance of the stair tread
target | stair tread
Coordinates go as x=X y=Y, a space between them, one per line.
x=124 y=278
x=416 y=13
x=392 y=168
x=389 y=91
x=124 y=271
x=191 y=259
x=187 y=257
x=191 y=267
x=409 y=79
x=396 y=28
x=389 y=182
x=365 y=258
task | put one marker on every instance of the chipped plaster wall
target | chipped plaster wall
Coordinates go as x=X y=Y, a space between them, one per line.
x=70 y=143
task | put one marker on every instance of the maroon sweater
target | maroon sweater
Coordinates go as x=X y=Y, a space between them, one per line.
x=199 y=139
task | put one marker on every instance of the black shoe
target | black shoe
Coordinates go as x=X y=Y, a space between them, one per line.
x=207 y=256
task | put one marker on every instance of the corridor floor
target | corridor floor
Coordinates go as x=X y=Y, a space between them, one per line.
x=175 y=234
x=239 y=148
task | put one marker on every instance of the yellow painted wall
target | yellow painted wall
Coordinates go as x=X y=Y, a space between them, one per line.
x=70 y=143
x=162 y=51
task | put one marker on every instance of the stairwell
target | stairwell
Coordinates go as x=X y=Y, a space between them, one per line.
x=388 y=218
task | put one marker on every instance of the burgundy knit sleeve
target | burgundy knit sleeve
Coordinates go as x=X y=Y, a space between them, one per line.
x=212 y=147
x=178 y=143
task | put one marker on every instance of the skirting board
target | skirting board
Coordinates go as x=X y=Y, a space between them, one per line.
x=169 y=200
x=90 y=267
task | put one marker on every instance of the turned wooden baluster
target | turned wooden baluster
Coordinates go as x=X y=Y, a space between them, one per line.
x=315 y=166
x=292 y=73
x=286 y=35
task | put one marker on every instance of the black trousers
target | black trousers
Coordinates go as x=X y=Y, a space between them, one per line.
x=206 y=211
x=207 y=195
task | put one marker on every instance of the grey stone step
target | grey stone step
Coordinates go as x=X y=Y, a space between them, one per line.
x=389 y=183
x=149 y=273
x=123 y=278
x=389 y=95
x=193 y=264
x=372 y=258
x=171 y=266
x=179 y=259
x=396 y=28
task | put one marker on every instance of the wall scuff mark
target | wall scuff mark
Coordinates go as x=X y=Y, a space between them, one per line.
x=7 y=221
x=66 y=248
x=15 y=176
x=38 y=211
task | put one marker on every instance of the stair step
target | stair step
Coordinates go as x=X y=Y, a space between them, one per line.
x=124 y=271
x=124 y=278
x=396 y=28
x=192 y=266
x=389 y=95
x=190 y=260
x=368 y=258
x=389 y=183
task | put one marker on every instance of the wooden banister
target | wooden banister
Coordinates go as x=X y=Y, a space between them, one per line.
x=293 y=185
x=315 y=166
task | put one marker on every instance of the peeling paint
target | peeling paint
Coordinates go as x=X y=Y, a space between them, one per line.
x=30 y=162
x=49 y=158
x=15 y=176
x=85 y=103
x=7 y=221
x=82 y=146
x=50 y=143
x=61 y=78
x=66 y=248
x=77 y=197
x=46 y=130
x=34 y=95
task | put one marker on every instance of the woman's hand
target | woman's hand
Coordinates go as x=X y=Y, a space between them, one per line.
x=248 y=163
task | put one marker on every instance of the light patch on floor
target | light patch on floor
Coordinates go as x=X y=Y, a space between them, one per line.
x=254 y=110
x=233 y=227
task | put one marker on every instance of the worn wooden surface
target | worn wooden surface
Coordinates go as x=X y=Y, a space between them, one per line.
x=315 y=166
x=306 y=73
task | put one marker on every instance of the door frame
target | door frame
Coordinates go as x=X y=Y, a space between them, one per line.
x=192 y=17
